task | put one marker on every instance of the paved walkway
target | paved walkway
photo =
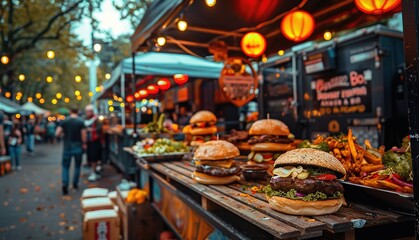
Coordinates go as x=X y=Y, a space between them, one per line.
x=31 y=202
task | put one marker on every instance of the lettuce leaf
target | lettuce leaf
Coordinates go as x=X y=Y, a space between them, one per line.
x=292 y=194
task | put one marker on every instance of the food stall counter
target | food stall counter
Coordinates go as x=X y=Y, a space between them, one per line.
x=237 y=211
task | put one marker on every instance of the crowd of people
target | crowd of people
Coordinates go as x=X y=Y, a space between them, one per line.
x=79 y=136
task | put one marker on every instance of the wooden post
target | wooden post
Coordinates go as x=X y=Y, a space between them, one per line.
x=410 y=11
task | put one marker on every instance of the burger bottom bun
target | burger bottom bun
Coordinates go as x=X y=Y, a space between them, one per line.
x=203 y=131
x=305 y=208
x=271 y=147
x=213 y=180
x=243 y=146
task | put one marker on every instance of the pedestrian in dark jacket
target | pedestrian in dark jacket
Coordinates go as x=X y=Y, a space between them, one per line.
x=15 y=141
x=74 y=137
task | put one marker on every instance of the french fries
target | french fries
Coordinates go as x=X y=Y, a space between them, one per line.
x=361 y=164
x=371 y=168
x=390 y=185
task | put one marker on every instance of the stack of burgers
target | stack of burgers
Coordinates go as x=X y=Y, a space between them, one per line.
x=269 y=139
x=203 y=127
x=215 y=163
x=304 y=183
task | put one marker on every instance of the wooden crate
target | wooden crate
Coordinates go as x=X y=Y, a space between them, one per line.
x=138 y=221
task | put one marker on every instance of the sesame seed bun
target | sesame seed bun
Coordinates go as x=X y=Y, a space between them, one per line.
x=203 y=131
x=213 y=180
x=311 y=157
x=305 y=208
x=269 y=127
x=203 y=116
x=216 y=150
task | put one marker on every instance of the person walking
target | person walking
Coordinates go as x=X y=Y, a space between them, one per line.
x=30 y=135
x=94 y=138
x=6 y=130
x=74 y=137
x=15 y=141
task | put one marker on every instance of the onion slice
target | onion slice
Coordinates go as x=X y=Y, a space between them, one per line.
x=401 y=183
x=300 y=194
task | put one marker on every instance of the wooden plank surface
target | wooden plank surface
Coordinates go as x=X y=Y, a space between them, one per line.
x=236 y=198
x=339 y=221
x=273 y=226
x=306 y=225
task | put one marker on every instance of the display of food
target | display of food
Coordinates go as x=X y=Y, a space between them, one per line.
x=239 y=139
x=156 y=126
x=305 y=183
x=397 y=175
x=203 y=127
x=269 y=139
x=215 y=163
x=369 y=166
x=159 y=146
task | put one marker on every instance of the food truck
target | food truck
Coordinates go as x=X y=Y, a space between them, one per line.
x=356 y=81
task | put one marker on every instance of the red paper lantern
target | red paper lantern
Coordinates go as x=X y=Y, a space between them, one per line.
x=298 y=25
x=153 y=89
x=163 y=84
x=180 y=78
x=130 y=98
x=137 y=95
x=253 y=44
x=143 y=93
x=376 y=7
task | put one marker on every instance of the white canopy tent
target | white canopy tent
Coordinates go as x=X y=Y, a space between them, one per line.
x=160 y=64
x=9 y=106
x=32 y=107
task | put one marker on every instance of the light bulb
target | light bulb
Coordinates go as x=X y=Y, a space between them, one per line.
x=182 y=25
x=210 y=3
x=161 y=41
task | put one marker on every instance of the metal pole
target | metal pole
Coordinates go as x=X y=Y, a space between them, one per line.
x=410 y=11
x=123 y=98
x=134 y=134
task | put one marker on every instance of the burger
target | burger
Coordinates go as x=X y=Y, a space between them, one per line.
x=304 y=183
x=202 y=127
x=269 y=139
x=214 y=161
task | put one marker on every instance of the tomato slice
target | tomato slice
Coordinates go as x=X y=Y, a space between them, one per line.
x=326 y=177
x=395 y=175
x=201 y=124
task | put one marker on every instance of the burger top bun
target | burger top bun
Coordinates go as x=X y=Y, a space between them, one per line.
x=203 y=116
x=216 y=150
x=269 y=127
x=311 y=157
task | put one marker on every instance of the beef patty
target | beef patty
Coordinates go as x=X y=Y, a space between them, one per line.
x=306 y=186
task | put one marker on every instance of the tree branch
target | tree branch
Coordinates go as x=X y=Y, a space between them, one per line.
x=39 y=36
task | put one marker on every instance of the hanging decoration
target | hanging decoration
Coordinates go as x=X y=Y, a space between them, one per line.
x=163 y=84
x=297 y=25
x=238 y=81
x=376 y=7
x=130 y=98
x=153 y=89
x=143 y=93
x=253 y=44
x=180 y=79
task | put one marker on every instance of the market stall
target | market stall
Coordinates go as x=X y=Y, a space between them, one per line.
x=199 y=28
x=149 y=69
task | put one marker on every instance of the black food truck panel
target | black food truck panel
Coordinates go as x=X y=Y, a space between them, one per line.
x=350 y=85
x=278 y=95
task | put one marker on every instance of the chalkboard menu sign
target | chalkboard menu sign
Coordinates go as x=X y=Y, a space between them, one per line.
x=344 y=93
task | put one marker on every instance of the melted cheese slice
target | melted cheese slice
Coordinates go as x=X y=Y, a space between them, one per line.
x=219 y=163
